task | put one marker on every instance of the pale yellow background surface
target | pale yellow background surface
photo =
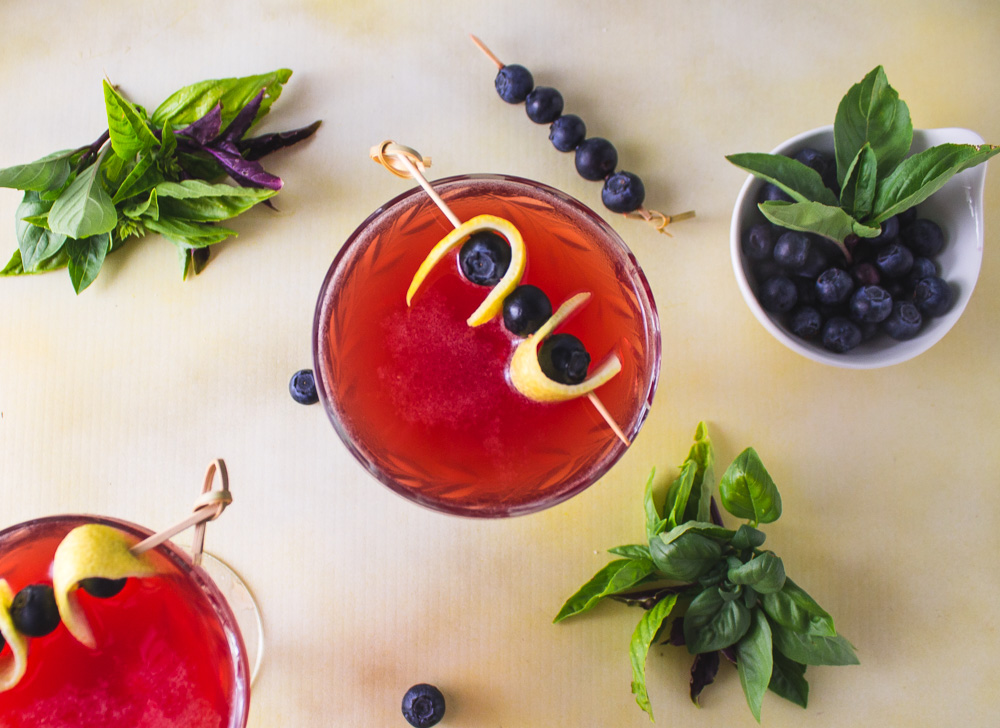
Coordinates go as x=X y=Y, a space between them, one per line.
x=116 y=400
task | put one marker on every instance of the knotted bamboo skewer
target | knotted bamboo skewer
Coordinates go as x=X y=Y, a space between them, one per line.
x=209 y=506
x=399 y=159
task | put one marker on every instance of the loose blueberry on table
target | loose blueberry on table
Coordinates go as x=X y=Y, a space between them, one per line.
x=891 y=284
x=423 y=706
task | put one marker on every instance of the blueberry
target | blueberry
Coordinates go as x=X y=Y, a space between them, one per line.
x=778 y=294
x=933 y=296
x=772 y=192
x=302 y=387
x=805 y=322
x=34 y=610
x=841 y=334
x=888 y=233
x=567 y=132
x=870 y=304
x=101 y=588
x=791 y=250
x=906 y=217
x=623 y=192
x=596 y=158
x=821 y=163
x=834 y=285
x=564 y=359
x=894 y=260
x=484 y=258
x=923 y=237
x=817 y=261
x=865 y=274
x=514 y=83
x=543 y=105
x=922 y=268
x=758 y=243
x=904 y=322
x=423 y=706
x=525 y=309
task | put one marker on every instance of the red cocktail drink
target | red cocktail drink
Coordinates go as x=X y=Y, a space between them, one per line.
x=425 y=402
x=168 y=651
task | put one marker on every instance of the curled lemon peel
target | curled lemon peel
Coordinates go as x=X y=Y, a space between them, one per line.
x=526 y=373
x=12 y=667
x=91 y=550
x=493 y=303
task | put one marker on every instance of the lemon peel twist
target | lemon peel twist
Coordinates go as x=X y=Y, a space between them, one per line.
x=12 y=666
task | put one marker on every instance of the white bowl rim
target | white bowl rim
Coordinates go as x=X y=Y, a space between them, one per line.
x=894 y=352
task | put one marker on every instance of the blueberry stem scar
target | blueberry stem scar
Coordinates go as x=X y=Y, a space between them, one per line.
x=208 y=507
x=388 y=153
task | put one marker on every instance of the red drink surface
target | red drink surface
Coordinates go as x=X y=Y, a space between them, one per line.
x=163 y=655
x=425 y=402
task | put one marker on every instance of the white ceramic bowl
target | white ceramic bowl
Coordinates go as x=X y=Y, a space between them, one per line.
x=957 y=208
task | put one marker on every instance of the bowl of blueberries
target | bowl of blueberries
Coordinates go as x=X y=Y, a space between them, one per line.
x=872 y=302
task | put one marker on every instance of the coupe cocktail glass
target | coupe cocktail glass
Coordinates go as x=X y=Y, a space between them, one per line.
x=169 y=651
x=424 y=402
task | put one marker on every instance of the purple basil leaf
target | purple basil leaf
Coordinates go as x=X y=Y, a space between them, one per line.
x=677 y=633
x=703 y=672
x=729 y=653
x=242 y=121
x=247 y=173
x=714 y=512
x=206 y=128
x=259 y=146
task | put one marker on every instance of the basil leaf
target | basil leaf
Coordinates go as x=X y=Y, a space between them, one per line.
x=813 y=649
x=615 y=577
x=129 y=134
x=701 y=453
x=188 y=234
x=632 y=551
x=686 y=558
x=801 y=183
x=858 y=193
x=747 y=490
x=793 y=609
x=711 y=622
x=47 y=173
x=765 y=573
x=703 y=671
x=187 y=105
x=197 y=200
x=148 y=208
x=788 y=679
x=923 y=174
x=754 y=662
x=642 y=638
x=814 y=217
x=35 y=242
x=141 y=178
x=15 y=268
x=84 y=209
x=871 y=112
x=654 y=522
x=86 y=256
x=747 y=537
x=680 y=492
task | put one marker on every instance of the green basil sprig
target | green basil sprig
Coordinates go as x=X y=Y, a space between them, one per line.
x=159 y=172
x=726 y=596
x=877 y=176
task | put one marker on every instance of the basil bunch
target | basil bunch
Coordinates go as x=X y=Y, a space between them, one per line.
x=156 y=172
x=872 y=135
x=728 y=597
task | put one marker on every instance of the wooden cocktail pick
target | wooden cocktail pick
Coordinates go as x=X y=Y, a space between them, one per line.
x=657 y=219
x=208 y=507
x=406 y=162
